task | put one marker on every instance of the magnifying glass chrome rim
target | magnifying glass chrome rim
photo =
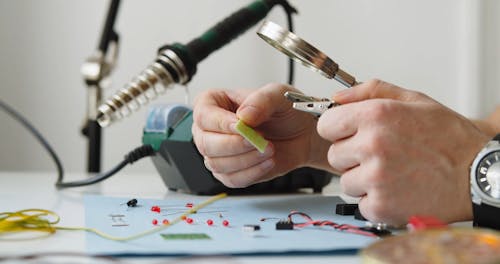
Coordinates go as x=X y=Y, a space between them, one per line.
x=297 y=49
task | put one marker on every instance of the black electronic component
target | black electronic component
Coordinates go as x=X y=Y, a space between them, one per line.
x=358 y=215
x=345 y=209
x=284 y=225
x=132 y=203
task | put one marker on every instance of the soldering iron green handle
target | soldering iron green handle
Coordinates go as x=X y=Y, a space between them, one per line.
x=228 y=29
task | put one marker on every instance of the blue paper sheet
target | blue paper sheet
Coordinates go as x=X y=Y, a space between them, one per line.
x=101 y=213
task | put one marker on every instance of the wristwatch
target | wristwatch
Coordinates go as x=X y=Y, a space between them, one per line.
x=485 y=185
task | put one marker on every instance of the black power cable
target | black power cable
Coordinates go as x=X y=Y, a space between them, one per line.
x=132 y=156
x=17 y=116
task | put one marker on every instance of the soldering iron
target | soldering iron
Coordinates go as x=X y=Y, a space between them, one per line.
x=177 y=63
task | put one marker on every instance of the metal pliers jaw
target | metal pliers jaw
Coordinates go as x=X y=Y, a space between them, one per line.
x=309 y=104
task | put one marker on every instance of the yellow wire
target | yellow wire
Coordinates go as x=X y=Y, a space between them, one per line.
x=34 y=220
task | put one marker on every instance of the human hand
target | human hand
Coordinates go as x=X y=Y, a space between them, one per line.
x=402 y=152
x=234 y=161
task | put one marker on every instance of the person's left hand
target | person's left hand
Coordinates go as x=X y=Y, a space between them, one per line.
x=293 y=139
x=402 y=152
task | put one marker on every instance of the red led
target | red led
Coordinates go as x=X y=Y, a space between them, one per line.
x=183 y=217
x=189 y=220
x=165 y=222
x=155 y=222
x=156 y=209
x=210 y=222
x=189 y=205
x=225 y=223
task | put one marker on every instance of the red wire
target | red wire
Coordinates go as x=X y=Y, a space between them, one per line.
x=342 y=227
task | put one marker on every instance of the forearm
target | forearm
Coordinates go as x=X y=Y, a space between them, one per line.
x=490 y=125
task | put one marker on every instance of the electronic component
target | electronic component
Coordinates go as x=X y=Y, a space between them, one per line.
x=156 y=209
x=251 y=228
x=225 y=223
x=132 y=203
x=345 y=209
x=117 y=220
x=284 y=225
x=193 y=236
x=424 y=222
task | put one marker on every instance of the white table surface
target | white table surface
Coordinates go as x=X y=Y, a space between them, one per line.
x=23 y=190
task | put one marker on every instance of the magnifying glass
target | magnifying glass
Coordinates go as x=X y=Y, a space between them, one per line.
x=303 y=52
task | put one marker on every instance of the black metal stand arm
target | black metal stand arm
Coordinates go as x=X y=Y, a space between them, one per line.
x=95 y=69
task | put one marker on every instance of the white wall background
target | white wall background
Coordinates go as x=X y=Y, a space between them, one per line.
x=448 y=49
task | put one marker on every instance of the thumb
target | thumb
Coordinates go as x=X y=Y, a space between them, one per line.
x=375 y=89
x=259 y=106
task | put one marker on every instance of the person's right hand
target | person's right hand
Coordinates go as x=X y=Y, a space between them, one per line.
x=292 y=134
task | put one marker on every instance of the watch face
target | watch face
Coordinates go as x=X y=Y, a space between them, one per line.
x=488 y=175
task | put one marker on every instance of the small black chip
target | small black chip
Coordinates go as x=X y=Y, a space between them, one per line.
x=345 y=209
x=284 y=225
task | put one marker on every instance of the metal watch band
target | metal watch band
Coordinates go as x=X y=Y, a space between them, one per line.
x=486 y=216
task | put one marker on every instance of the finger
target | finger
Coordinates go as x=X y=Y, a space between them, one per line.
x=378 y=209
x=353 y=182
x=375 y=89
x=344 y=154
x=231 y=164
x=214 y=111
x=260 y=105
x=213 y=144
x=246 y=177
x=340 y=122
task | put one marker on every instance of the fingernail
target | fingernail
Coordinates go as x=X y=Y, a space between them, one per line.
x=207 y=165
x=232 y=126
x=268 y=152
x=342 y=95
x=247 y=112
x=267 y=164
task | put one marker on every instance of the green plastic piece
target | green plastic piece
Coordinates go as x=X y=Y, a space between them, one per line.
x=153 y=139
x=252 y=136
